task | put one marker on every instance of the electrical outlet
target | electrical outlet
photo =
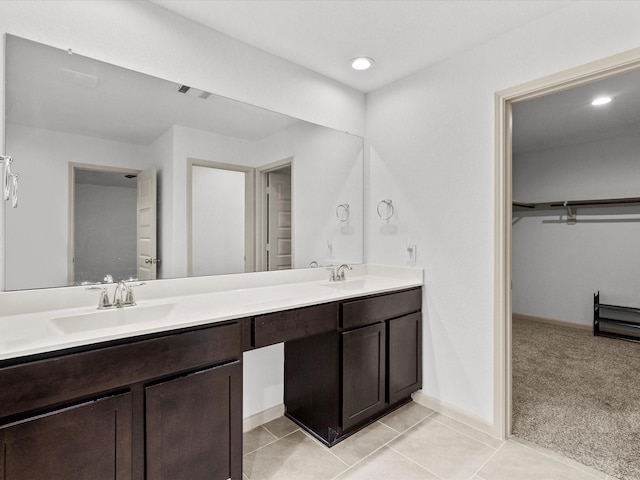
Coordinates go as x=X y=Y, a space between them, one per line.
x=330 y=247
x=412 y=253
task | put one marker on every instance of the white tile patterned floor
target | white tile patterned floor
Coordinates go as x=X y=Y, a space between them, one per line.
x=413 y=442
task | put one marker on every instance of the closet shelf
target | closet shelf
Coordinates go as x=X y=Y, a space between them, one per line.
x=602 y=202
x=623 y=327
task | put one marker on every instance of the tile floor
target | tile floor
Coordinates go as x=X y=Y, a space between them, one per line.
x=413 y=442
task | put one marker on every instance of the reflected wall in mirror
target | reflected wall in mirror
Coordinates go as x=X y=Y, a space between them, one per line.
x=64 y=109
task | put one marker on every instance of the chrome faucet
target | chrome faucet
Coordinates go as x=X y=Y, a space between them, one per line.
x=340 y=275
x=122 y=295
x=122 y=289
x=337 y=274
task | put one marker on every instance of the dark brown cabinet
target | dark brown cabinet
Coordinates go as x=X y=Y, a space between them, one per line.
x=167 y=407
x=87 y=441
x=191 y=425
x=293 y=324
x=404 y=340
x=338 y=382
x=363 y=373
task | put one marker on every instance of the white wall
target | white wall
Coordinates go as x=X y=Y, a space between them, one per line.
x=431 y=150
x=558 y=267
x=147 y=38
x=608 y=168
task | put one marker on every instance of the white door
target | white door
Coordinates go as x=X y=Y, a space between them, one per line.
x=279 y=221
x=146 y=226
x=218 y=221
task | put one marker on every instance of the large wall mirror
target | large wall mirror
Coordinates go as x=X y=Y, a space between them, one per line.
x=124 y=175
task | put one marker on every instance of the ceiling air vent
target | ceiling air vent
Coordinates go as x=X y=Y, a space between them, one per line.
x=193 y=92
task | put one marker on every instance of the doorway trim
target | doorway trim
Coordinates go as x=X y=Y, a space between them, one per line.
x=587 y=73
x=73 y=166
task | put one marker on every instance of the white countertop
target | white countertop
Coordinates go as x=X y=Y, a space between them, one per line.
x=39 y=321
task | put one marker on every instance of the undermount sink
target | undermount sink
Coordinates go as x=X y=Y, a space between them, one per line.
x=115 y=317
x=347 y=284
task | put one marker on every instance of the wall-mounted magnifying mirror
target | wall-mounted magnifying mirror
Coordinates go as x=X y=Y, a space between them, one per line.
x=67 y=115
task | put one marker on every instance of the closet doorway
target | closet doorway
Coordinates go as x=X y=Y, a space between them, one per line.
x=543 y=264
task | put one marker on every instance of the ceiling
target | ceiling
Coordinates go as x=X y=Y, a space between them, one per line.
x=568 y=118
x=137 y=108
x=50 y=89
x=402 y=36
x=105 y=179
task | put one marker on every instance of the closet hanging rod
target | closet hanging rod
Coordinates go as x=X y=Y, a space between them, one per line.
x=601 y=202
x=524 y=205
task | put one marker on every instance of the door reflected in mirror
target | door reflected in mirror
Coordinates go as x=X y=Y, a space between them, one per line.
x=277 y=218
x=221 y=220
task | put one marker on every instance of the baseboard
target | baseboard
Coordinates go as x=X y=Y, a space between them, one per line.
x=552 y=321
x=456 y=413
x=450 y=411
x=262 y=417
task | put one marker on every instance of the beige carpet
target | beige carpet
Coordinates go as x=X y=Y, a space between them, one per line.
x=578 y=395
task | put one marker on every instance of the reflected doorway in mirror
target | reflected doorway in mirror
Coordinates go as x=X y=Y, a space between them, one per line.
x=112 y=223
x=274 y=236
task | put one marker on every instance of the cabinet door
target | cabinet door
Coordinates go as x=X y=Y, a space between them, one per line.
x=194 y=426
x=363 y=374
x=87 y=441
x=312 y=384
x=404 y=375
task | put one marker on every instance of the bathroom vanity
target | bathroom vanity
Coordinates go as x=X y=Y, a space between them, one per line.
x=164 y=400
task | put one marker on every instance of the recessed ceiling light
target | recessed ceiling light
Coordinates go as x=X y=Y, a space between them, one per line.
x=361 y=63
x=600 y=101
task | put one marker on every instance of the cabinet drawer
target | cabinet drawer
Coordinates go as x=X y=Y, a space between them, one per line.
x=293 y=324
x=376 y=309
x=52 y=381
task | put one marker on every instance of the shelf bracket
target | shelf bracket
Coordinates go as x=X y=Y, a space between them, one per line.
x=571 y=214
